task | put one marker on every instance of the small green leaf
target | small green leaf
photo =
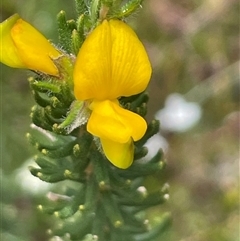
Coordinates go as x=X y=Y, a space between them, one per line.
x=64 y=32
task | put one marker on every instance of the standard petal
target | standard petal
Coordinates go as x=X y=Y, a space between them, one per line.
x=33 y=48
x=119 y=154
x=112 y=62
x=110 y=121
x=8 y=51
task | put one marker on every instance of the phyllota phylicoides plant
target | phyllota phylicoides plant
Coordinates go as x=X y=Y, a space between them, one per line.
x=88 y=122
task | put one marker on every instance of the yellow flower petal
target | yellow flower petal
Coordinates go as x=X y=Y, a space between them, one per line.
x=112 y=62
x=111 y=122
x=8 y=51
x=22 y=46
x=119 y=154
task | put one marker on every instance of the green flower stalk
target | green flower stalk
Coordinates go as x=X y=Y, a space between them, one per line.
x=88 y=121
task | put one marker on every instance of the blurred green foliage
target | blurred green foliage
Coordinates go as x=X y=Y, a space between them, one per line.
x=193 y=47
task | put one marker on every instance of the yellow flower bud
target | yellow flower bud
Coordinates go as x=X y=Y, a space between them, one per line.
x=22 y=46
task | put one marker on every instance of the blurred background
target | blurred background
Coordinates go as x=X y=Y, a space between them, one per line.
x=193 y=46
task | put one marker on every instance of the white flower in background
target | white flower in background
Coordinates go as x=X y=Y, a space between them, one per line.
x=178 y=115
x=28 y=182
x=154 y=143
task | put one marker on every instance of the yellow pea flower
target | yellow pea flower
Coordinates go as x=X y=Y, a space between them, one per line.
x=111 y=63
x=22 y=46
